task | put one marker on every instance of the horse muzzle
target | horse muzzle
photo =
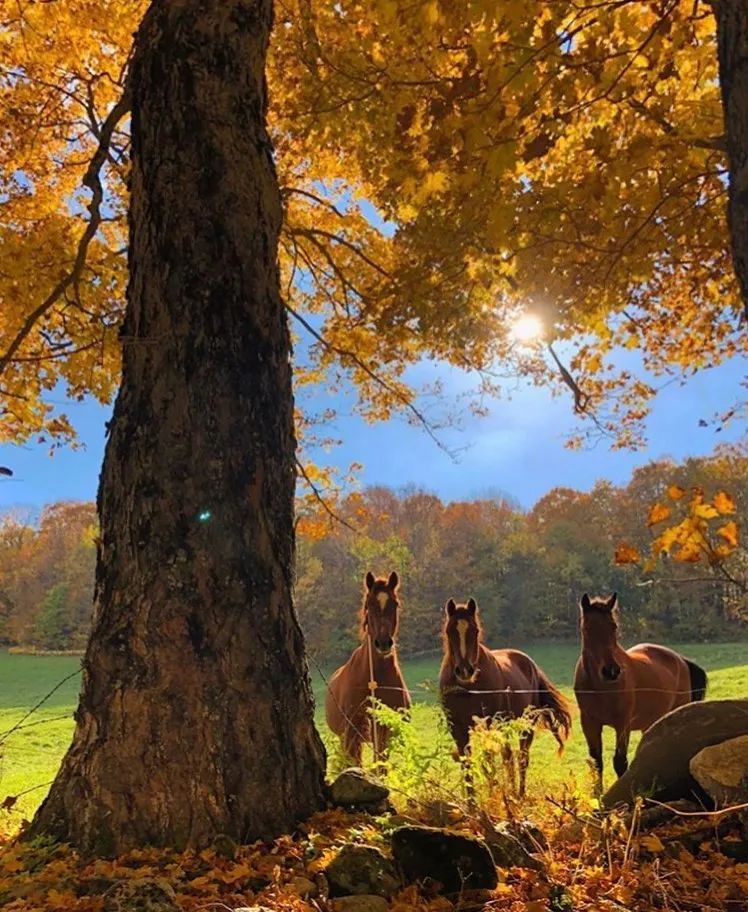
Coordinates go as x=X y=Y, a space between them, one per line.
x=611 y=672
x=466 y=676
x=384 y=646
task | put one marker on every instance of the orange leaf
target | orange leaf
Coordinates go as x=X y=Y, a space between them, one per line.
x=626 y=554
x=652 y=843
x=705 y=511
x=657 y=514
x=724 y=503
x=675 y=492
x=730 y=533
x=688 y=554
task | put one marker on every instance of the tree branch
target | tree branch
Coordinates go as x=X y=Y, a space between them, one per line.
x=345 y=354
x=92 y=180
x=321 y=500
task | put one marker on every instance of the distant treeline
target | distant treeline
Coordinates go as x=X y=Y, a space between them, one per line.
x=526 y=569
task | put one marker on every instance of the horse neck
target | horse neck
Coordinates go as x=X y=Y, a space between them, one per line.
x=379 y=663
x=590 y=652
x=490 y=670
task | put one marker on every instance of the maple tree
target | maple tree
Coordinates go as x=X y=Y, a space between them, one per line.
x=193 y=626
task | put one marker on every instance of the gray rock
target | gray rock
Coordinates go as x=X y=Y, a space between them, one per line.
x=455 y=861
x=225 y=847
x=304 y=887
x=660 y=768
x=361 y=903
x=361 y=870
x=513 y=845
x=722 y=770
x=141 y=894
x=353 y=788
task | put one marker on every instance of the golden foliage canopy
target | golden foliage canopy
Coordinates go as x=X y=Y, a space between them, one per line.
x=444 y=166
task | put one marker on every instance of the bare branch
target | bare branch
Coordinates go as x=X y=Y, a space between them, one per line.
x=345 y=354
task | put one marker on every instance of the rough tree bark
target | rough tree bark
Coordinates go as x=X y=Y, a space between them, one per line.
x=732 y=40
x=196 y=714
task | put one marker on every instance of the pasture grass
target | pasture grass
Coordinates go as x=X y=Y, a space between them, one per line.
x=422 y=761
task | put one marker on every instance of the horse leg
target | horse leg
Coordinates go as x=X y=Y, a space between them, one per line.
x=593 y=733
x=620 y=758
x=525 y=742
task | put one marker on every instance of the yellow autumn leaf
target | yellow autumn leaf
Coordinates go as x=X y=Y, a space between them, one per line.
x=652 y=843
x=657 y=514
x=688 y=554
x=730 y=533
x=705 y=511
x=723 y=503
x=626 y=554
x=675 y=492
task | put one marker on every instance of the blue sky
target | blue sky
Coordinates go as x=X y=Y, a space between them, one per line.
x=518 y=448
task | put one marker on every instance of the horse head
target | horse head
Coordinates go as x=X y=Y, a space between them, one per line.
x=462 y=636
x=380 y=615
x=599 y=622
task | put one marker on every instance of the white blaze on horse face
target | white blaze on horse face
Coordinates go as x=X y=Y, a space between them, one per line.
x=383 y=598
x=462 y=629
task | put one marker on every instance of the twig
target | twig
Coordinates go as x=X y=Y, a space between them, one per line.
x=351 y=356
x=318 y=495
x=720 y=813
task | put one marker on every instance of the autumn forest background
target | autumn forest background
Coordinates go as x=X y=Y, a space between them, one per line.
x=526 y=568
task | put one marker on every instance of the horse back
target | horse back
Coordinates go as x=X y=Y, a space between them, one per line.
x=660 y=662
x=662 y=682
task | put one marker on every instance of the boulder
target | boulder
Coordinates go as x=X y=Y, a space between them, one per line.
x=354 y=789
x=303 y=887
x=361 y=870
x=362 y=903
x=660 y=768
x=513 y=844
x=455 y=861
x=140 y=894
x=722 y=770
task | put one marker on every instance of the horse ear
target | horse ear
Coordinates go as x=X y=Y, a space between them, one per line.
x=613 y=602
x=451 y=607
x=472 y=606
x=585 y=602
x=394 y=581
x=369 y=580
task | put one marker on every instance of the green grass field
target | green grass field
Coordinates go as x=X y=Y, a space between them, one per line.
x=29 y=756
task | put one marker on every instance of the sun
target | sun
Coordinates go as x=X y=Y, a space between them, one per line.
x=527 y=328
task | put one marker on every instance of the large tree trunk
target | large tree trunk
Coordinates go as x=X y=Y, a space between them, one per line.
x=732 y=38
x=196 y=714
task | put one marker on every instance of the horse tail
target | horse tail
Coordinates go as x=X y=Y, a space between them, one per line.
x=698 y=681
x=555 y=715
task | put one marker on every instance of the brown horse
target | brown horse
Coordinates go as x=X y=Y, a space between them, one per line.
x=373 y=662
x=628 y=689
x=476 y=682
